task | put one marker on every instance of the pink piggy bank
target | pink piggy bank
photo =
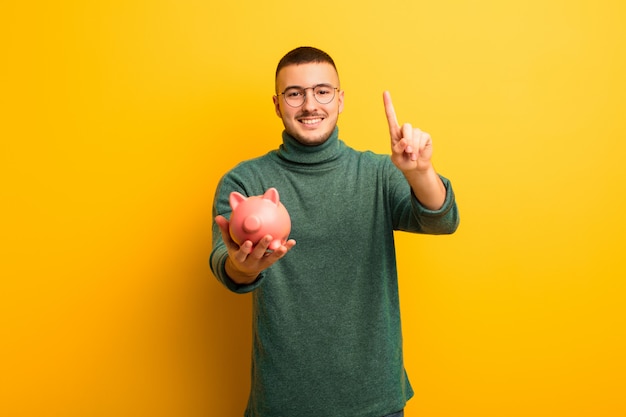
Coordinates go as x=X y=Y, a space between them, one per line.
x=255 y=217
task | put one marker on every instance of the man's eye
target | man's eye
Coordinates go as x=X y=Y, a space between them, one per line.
x=322 y=91
x=294 y=93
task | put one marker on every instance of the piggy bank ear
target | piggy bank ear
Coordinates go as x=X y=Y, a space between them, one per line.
x=235 y=199
x=272 y=195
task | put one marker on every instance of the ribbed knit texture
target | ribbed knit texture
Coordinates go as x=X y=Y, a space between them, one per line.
x=326 y=322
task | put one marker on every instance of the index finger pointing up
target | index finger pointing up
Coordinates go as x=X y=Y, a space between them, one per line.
x=392 y=120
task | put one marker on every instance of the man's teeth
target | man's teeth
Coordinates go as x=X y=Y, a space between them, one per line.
x=310 y=121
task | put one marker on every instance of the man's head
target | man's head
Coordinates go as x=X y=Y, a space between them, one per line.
x=308 y=96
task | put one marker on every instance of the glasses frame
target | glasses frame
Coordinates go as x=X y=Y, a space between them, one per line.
x=335 y=89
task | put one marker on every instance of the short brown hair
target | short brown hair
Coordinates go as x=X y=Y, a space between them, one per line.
x=304 y=55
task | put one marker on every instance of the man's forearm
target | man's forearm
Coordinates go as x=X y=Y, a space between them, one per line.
x=428 y=188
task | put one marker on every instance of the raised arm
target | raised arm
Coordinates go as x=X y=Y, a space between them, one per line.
x=411 y=153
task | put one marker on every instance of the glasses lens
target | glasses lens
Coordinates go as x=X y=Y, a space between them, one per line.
x=294 y=96
x=324 y=94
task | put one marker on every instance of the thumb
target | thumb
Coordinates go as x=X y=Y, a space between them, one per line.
x=223 y=223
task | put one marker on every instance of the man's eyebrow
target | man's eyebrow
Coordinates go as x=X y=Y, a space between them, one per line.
x=313 y=86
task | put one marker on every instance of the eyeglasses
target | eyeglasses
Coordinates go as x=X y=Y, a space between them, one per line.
x=295 y=96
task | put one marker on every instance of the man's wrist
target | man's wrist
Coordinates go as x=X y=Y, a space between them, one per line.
x=237 y=275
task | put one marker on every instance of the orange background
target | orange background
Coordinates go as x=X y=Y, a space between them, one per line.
x=119 y=117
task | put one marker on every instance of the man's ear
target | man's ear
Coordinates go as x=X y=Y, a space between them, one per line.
x=340 y=98
x=277 y=106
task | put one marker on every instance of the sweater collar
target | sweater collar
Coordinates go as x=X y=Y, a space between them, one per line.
x=294 y=151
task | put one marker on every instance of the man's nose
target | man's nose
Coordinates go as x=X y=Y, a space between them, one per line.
x=309 y=99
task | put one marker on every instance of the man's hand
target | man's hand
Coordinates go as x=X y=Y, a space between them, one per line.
x=411 y=152
x=411 y=149
x=245 y=262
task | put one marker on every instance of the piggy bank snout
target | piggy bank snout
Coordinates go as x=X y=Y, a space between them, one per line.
x=252 y=224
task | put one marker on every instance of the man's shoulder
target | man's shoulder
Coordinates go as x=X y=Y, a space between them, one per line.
x=253 y=163
x=371 y=157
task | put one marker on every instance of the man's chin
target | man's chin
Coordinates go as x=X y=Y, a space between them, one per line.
x=311 y=138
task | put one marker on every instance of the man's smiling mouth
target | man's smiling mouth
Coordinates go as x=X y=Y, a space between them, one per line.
x=311 y=121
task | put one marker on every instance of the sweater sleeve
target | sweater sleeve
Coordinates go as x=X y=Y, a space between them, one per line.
x=437 y=222
x=410 y=215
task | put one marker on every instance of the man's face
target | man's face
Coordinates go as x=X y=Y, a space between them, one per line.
x=312 y=123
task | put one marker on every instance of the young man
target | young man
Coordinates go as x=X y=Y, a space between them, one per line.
x=327 y=339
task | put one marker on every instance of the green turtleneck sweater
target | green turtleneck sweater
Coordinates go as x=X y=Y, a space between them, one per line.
x=326 y=320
